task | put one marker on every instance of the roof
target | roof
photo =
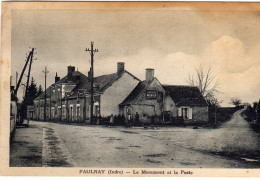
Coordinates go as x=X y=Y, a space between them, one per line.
x=101 y=83
x=136 y=91
x=185 y=95
x=41 y=96
x=75 y=73
x=181 y=95
x=83 y=78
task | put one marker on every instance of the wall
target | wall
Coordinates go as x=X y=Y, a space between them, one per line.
x=199 y=115
x=82 y=103
x=67 y=88
x=116 y=93
x=30 y=112
x=145 y=112
x=169 y=105
x=38 y=109
x=156 y=104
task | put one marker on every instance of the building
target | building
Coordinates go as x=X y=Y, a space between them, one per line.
x=55 y=93
x=109 y=91
x=30 y=111
x=157 y=103
x=188 y=104
x=68 y=99
x=120 y=93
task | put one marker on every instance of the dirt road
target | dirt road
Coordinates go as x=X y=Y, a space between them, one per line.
x=234 y=145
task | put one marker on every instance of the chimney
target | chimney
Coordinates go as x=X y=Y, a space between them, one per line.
x=71 y=70
x=149 y=74
x=120 y=68
x=57 y=78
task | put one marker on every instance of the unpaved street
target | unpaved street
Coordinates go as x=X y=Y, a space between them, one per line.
x=234 y=145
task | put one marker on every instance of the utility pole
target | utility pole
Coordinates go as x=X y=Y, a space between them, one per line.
x=45 y=95
x=92 y=53
x=21 y=76
x=29 y=72
x=50 y=103
x=16 y=77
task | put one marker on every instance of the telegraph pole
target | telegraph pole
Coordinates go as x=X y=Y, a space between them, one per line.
x=29 y=72
x=16 y=77
x=45 y=95
x=92 y=53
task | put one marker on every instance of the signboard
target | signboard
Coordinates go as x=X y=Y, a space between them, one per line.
x=151 y=94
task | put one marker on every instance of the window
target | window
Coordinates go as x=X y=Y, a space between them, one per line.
x=151 y=94
x=63 y=111
x=185 y=112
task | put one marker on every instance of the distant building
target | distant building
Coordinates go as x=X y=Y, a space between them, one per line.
x=55 y=93
x=157 y=103
x=30 y=111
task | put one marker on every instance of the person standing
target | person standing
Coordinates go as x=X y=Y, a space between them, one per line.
x=136 y=119
x=111 y=121
x=129 y=119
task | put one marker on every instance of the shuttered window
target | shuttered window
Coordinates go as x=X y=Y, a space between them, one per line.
x=185 y=112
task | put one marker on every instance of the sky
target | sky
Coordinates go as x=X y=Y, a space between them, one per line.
x=172 y=42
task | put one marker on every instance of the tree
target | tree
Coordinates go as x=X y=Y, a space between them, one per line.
x=255 y=104
x=236 y=101
x=31 y=93
x=207 y=83
x=39 y=90
x=258 y=113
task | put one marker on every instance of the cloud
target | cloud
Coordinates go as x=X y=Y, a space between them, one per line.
x=229 y=54
x=236 y=66
x=237 y=69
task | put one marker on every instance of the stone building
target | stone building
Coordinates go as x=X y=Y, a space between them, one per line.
x=109 y=91
x=157 y=103
x=55 y=93
x=68 y=99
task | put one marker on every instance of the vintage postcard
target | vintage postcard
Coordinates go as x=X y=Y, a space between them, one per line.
x=130 y=89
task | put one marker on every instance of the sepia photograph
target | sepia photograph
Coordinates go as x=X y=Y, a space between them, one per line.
x=131 y=88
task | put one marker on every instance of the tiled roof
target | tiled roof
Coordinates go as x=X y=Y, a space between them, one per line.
x=137 y=90
x=41 y=96
x=181 y=95
x=65 y=78
x=101 y=83
x=82 y=80
x=185 y=95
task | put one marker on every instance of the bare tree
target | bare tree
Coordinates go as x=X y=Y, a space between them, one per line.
x=207 y=83
x=236 y=101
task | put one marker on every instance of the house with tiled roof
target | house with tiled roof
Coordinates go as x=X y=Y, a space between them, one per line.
x=109 y=91
x=190 y=105
x=157 y=103
x=55 y=93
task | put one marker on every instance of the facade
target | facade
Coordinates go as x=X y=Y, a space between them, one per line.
x=30 y=111
x=54 y=95
x=157 y=103
x=188 y=104
x=68 y=99
x=120 y=93
x=109 y=91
